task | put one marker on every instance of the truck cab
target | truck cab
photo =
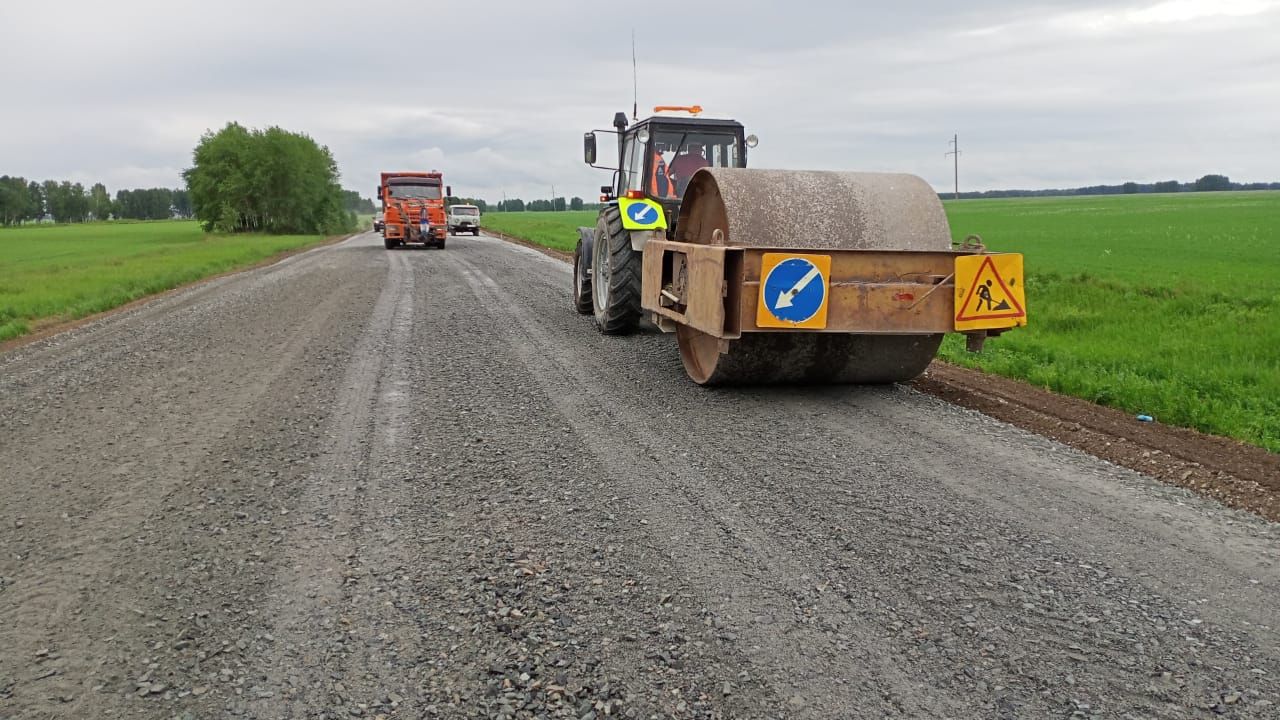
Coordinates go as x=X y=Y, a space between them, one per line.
x=413 y=208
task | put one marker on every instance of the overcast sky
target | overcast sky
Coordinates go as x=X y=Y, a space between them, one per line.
x=497 y=94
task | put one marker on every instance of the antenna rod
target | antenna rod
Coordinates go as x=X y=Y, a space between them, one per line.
x=635 y=87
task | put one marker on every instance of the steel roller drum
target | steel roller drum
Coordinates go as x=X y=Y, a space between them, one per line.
x=809 y=210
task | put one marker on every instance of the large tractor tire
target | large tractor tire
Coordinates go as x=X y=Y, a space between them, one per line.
x=615 y=276
x=582 y=275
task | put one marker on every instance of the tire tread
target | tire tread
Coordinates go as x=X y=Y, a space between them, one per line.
x=622 y=315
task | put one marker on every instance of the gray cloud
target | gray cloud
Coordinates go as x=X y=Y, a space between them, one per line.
x=1042 y=94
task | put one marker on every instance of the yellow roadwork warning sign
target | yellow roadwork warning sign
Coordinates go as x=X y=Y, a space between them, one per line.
x=989 y=292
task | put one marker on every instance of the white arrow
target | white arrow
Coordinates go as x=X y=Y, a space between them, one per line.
x=643 y=214
x=785 y=298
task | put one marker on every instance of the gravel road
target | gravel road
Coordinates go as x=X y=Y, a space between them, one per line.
x=411 y=484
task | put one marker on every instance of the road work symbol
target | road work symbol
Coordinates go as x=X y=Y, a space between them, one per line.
x=989 y=292
x=794 y=291
x=984 y=297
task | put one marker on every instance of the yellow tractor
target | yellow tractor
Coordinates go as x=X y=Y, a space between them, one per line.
x=780 y=276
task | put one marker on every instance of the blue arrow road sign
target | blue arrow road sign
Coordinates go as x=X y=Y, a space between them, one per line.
x=642 y=213
x=794 y=290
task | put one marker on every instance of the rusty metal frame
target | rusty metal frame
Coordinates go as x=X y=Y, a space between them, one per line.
x=715 y=289
x=694 y=285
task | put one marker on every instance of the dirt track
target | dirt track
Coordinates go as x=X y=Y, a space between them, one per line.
x=414 y=484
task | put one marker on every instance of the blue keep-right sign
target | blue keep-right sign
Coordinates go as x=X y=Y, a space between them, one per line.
x=794 y=291
x=641 y=214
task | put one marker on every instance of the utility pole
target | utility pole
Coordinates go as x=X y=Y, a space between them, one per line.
x=955 y=150
x=553 y=197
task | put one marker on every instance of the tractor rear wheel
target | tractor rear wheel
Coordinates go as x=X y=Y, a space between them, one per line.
x=582 y=278
x=615 y=276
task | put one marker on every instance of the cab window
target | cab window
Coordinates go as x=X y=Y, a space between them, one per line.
x=686 y=151
x=633 y=168
x=416 y=192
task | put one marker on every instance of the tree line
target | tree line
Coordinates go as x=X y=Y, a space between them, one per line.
x=554 y=205
x=23 y=201
x=352 y=202
x=1206 y=183
x=484 y=206
x=271 y=181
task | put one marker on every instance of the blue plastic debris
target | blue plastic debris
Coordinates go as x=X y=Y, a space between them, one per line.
x=1145 y=418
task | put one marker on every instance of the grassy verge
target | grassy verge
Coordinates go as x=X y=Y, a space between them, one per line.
x=556 y=230
x=1167 y=305
x=51 y=274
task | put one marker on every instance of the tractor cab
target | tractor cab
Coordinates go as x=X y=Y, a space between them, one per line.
x=658 y=156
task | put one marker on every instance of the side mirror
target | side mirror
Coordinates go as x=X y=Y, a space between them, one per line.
x=589 y=148
x=448 y=190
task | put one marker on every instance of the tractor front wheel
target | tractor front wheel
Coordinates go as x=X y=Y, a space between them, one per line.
x=615 y=276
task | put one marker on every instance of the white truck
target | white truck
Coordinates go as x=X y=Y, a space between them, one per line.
x=464 y=218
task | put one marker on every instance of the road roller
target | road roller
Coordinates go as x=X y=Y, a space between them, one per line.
x=780 y=276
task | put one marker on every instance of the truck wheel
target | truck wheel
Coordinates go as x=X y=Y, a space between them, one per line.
x=615 y=276
x=388 y=243
x=476 y=232
x=440 y=244
x=582 y=278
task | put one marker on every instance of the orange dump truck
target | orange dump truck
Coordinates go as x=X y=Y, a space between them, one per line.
x=413 y=208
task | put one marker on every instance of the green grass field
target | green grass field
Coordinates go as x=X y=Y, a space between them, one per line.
x=557 y=230
x=64 y=272
x=1167 y=305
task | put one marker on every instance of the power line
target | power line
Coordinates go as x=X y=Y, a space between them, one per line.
x=954 y=142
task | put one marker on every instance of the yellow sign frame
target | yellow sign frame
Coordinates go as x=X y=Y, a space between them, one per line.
x=996 y=281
